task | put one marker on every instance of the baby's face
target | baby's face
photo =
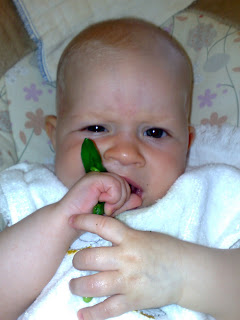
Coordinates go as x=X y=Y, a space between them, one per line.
x=134 y=110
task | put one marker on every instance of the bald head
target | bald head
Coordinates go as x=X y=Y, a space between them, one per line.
x=111 y=38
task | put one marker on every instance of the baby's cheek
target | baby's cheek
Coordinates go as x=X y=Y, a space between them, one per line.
x=67 y=174
x=158 y=190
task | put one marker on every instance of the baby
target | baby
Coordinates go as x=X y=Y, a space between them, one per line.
x=127 y=85
x=130 y=90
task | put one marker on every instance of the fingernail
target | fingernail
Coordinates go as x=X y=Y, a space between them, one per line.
x=80 y=316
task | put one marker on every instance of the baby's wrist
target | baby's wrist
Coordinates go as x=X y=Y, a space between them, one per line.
x=196 y=267
x=177 y=248
x=61 y=224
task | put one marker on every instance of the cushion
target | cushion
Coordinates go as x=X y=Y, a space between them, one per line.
x=212 y=46
x=54 y=23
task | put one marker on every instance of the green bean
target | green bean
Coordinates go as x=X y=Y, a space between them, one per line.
x=87 y=299
x=92 y=161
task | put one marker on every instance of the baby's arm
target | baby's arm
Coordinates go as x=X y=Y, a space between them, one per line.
x=32 y=250
x=148 y=270
x=211 y=281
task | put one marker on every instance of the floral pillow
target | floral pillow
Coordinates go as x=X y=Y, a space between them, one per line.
x=7 y=146
x=212 y=46
x=30 y=100
x=214 y=51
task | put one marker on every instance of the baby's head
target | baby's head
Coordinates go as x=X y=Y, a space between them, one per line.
x=115 y=40
x=127 y=85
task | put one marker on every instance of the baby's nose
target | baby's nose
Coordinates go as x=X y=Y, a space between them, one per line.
x=125 y=151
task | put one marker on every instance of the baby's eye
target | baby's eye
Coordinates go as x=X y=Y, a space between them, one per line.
x=155 y=133
x=96 y=128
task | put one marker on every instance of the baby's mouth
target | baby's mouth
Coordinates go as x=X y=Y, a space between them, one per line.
x=135 y=189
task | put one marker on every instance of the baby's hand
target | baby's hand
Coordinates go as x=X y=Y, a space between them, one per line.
x=141 y=270
x=97 y=187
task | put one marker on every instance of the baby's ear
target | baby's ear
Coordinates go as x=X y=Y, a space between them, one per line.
x=191 y=136
x=50 y=128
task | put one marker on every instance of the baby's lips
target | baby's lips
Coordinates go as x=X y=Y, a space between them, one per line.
x=136 y=189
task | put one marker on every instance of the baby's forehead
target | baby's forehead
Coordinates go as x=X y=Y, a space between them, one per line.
x=99 y=56
x=163 y=63
x=148 y=66
x=114 y=72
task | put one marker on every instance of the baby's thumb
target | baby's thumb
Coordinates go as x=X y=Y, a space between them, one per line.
x=132 y=203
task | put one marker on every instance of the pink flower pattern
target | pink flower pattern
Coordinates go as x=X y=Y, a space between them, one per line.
x=214 y=120
x=201 y=36
x=36 y=121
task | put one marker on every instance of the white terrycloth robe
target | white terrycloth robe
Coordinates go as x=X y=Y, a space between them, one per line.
x=203 y=206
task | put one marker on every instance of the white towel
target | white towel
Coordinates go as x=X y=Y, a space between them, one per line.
x=203 y=206
x=53 y=23
x=25 y=188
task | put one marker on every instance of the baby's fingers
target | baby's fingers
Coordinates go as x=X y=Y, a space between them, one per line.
x=109 y=308
x=97 y=285
x=119 y=197
x=106 y=227
x=133 y=202
x=97 y=259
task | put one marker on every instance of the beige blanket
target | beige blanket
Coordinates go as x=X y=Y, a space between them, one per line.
x=53 y=23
